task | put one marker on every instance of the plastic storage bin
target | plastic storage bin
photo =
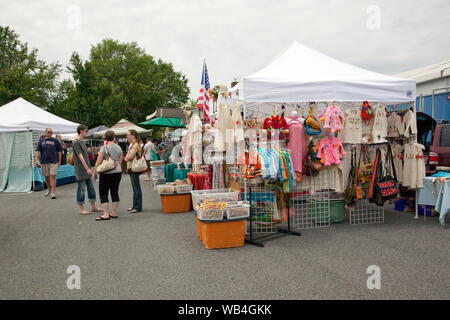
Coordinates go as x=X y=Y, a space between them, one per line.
x=165 y=189
x=158 y=172
x=224 y=195
x=238 y=210
x=211 y=214
x=175 y=203
x=222 y=234
x=319 y=210
x=185 y=188
x=157 y=182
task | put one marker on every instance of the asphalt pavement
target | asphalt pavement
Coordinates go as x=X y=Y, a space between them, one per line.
x=151 y=255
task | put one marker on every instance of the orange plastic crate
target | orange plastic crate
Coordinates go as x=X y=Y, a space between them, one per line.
x=226 y=234
x=199 y=228
x=176 y=203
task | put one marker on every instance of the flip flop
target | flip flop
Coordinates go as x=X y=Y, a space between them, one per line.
x=130 y=209
x=98 y=210
x=134 y=211
x=84 y=213
x=101 y=218
x=114 y=217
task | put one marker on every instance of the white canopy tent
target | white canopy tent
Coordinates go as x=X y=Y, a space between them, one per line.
x=21 y=124
x=21 y=115
x=121 y=132
x=301 y=74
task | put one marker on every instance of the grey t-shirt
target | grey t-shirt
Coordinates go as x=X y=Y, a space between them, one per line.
x=80 y=172
x=114 y=152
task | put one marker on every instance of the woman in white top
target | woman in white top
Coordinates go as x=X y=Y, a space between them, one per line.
x=110 y=180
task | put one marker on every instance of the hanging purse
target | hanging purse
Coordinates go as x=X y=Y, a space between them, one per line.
x=387 y=186
x=311 y=120
x=384 y=188
x=350 y=191
x=366 y=168
x=107 y=164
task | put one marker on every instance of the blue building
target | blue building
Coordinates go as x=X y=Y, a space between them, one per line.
x=433 y=89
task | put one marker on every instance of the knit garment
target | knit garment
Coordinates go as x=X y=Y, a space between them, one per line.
x=333 y=118
x=414 y=166
x=352 y=130
x=276 y=122
x=395 y=126
x=379 y=131
x=330 y=151
x=409 y=123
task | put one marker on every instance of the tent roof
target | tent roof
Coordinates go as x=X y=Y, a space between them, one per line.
x=122 y=123
x=21 y=115
x=428 y=73
x=122 y=131
x=96 y=129
x=302 y=74
x=166 y=113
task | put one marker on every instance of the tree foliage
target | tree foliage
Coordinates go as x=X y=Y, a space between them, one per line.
x=119 y=80
x=22 y=74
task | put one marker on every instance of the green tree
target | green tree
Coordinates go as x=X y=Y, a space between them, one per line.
x=119 y=80
x=22 y=74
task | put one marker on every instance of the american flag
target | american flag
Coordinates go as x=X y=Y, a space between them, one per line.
x=203 y=99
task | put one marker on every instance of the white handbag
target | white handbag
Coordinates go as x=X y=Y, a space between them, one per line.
x=139 y=165
x=107 y=164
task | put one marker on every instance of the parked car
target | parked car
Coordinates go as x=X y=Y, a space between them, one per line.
x=439 y=153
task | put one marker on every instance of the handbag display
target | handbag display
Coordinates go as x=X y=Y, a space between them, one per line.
x=107 y=164
x=366 y=168
x=311 y=120
x=384 y=188
x=311 y=165
x=350 y=193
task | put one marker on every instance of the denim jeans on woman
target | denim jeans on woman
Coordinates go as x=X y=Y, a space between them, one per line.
x=82 y=185
x=137 y=192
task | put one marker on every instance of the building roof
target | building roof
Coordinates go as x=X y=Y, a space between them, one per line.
x=428 y=73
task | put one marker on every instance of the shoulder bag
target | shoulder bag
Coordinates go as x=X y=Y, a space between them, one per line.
x=139 y=165
x=107 y=164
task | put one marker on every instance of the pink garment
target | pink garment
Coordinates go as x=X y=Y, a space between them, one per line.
x=296 y=143
x=331 y=150
x=333 y=119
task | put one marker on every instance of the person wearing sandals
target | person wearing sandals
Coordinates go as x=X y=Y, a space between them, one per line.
x=134 y=150
x=110 y=180
x=83 y=171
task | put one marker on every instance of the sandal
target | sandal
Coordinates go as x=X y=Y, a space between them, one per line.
x=114 y=217
x=97 y=210
x=101 y=218
x=134 y=211
x=84 y=212
x=129 y=209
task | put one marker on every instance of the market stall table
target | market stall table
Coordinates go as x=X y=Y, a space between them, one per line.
x=65 y=174
x=197 y=180
x=435 y=194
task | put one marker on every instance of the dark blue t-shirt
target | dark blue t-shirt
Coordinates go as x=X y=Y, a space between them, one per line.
x=49 y=149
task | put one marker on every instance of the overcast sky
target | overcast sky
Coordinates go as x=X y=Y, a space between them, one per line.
x=238 y=38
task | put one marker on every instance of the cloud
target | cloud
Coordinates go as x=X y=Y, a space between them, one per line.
x=238 y=38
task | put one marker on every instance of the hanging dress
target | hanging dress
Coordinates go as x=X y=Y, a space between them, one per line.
x=352 y=131
x=296 y=143
x=379 y=131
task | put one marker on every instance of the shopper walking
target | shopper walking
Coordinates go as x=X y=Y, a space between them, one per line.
x=83 y=171
x=134 y=150
x=50 y=151
x=110 y=180
x=150 y=155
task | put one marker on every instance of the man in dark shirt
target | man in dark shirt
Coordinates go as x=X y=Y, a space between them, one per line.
x=49 y=149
